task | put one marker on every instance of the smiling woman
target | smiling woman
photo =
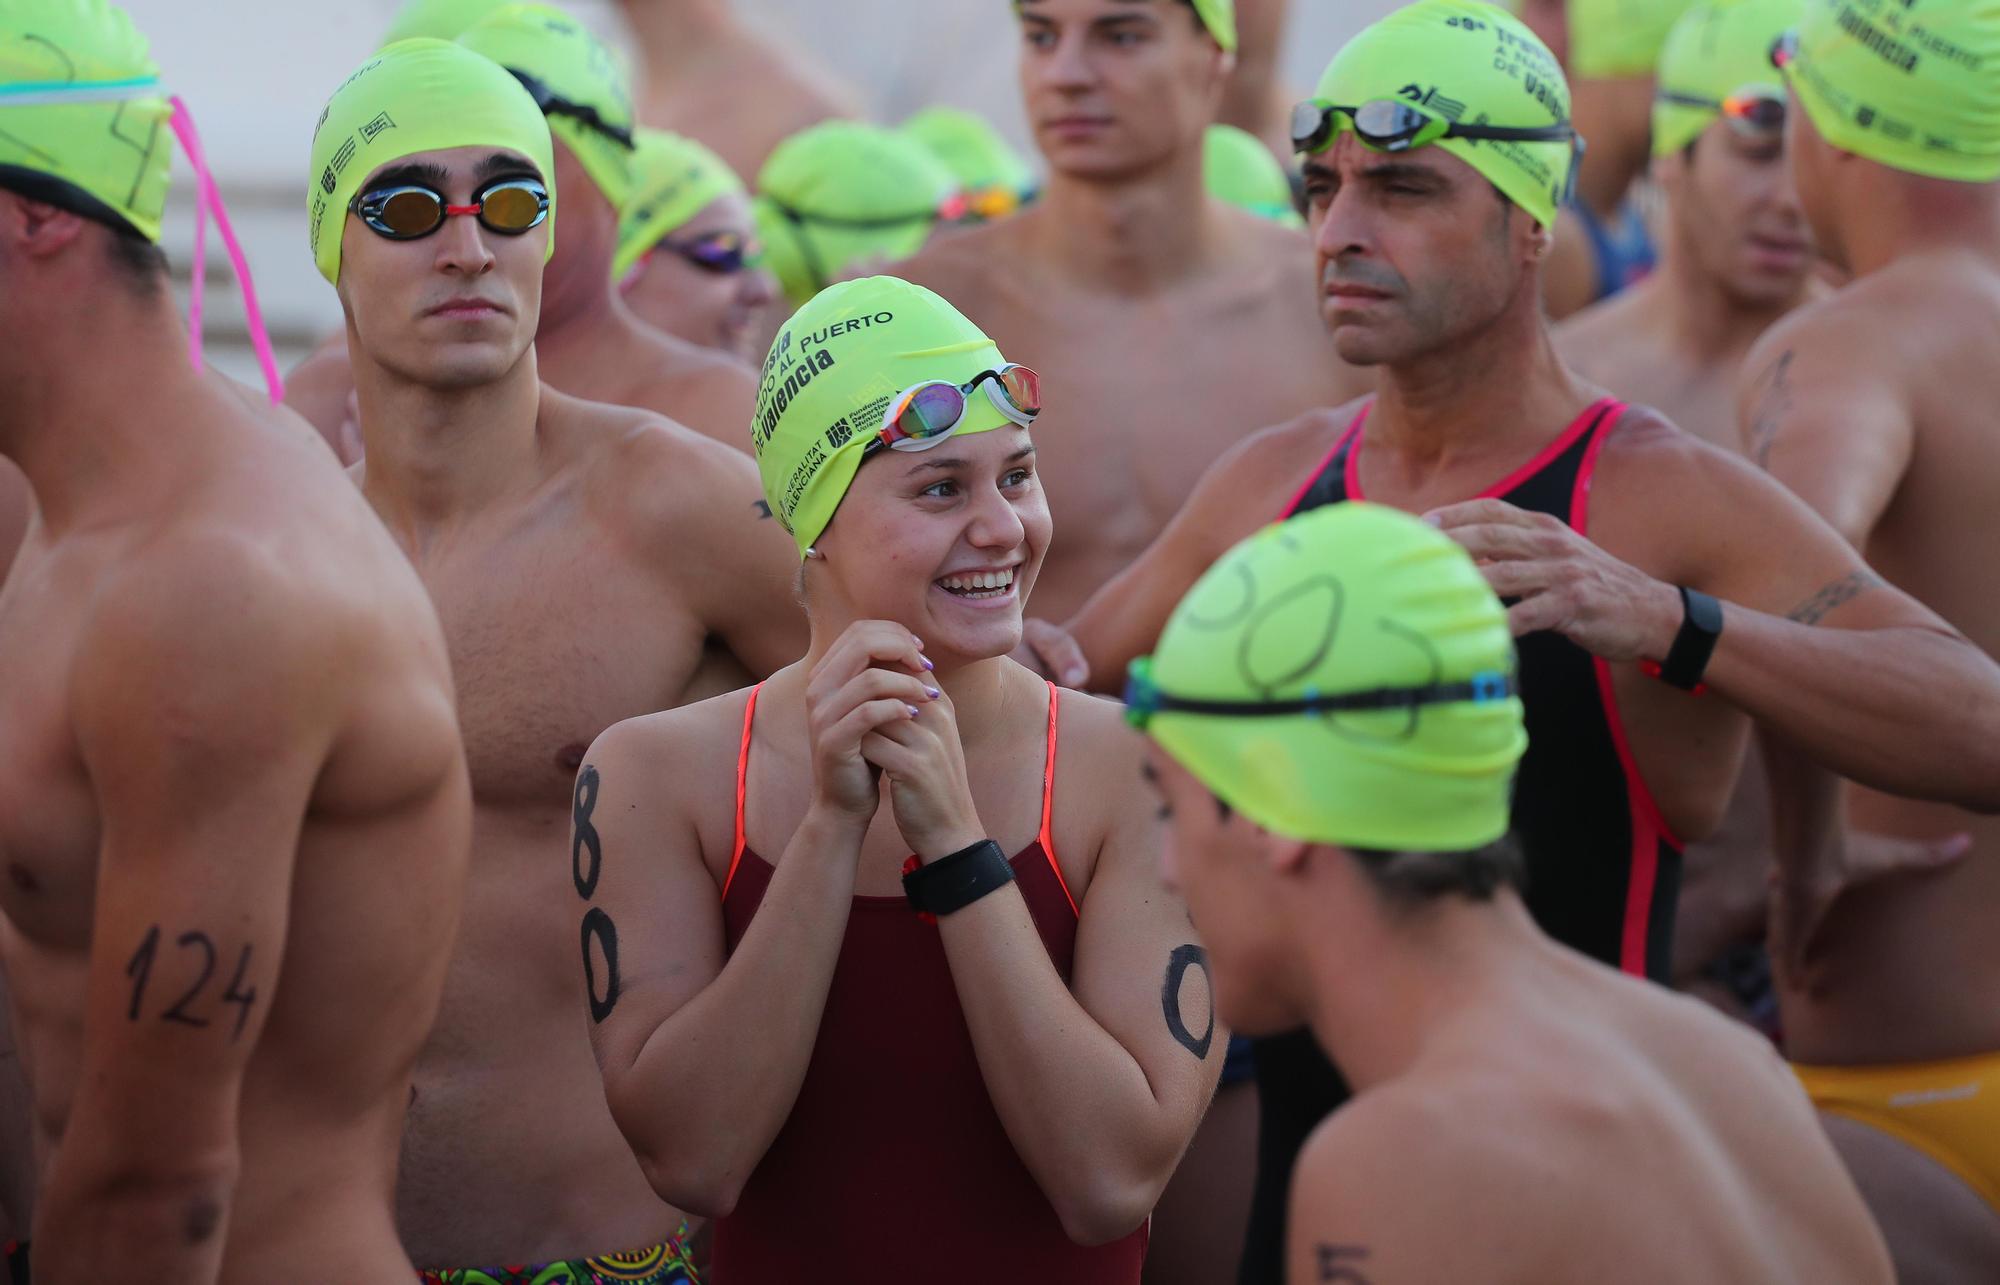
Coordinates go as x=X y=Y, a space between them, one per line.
x=1036 y=1012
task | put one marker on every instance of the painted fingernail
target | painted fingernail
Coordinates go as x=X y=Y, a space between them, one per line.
x=932 y=692
x=913 y=710
x=1432 y=518
x=927 y=662
x=916 y=642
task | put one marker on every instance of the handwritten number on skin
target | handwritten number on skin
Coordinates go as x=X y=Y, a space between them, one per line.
x=585 y=839
x=140 y=969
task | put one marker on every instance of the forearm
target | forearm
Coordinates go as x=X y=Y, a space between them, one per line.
x=113 y=1224
x=1075 y=1103
x=714 y=1082
x=1910 y=710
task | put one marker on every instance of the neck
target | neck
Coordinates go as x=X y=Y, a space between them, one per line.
x=1503 y=382
x=1426 y=969
x=577 y=294
x=676 y=34
x=1700 y=317
x=1132 y=236
x=436 y=456
x=85 y=406
x=1899 y=217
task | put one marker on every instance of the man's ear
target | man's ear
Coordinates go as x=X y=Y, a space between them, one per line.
x=1286 y=856
x=36 y=229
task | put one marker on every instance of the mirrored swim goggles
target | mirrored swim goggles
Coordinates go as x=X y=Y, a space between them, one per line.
x=37 y=185
x=1144 y=701
x=412 y=211
x=1755 y=111
x=923 y=415
x=723 y=252
x=1386 y=125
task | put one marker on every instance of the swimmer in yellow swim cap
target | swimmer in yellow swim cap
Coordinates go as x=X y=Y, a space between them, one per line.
x=1335 y=733
x=237 y=818
x=1873 y=405
x=689 y=261
x=530 y=512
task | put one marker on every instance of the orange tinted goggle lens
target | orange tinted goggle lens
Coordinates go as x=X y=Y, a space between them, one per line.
x=511 y=209
x=1023 y=388
x=411 y=213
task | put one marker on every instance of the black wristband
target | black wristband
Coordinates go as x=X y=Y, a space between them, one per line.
x=955 y=882
x=1701 y=626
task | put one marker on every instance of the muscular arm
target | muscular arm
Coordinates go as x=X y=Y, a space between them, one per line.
x=1099 y=1084
x=202 y=713
x=1827 y=423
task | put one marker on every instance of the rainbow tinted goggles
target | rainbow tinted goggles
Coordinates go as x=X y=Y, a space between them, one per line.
x=1144 y=700
x=1755 y=111
x=925 y=414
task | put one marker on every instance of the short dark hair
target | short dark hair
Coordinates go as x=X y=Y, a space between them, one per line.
x=139 y=263
x=1412 y=879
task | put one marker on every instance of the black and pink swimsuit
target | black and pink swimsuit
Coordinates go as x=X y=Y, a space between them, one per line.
x=1604 y=870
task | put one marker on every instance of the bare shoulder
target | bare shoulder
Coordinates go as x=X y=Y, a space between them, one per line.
x=686 y=755
x=648 y=474
x=960 y=265
x=1285 y=452
x=1590 y=341
x=1411 y=1182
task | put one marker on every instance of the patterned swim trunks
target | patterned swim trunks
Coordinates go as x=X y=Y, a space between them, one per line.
x=667 y=1264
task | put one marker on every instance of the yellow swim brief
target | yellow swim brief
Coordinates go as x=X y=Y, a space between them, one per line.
x=1948 y=1110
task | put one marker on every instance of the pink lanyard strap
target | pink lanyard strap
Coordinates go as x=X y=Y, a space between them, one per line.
x=207 y=199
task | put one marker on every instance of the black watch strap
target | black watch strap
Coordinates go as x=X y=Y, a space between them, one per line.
x=1701 y=626
x=955 y=882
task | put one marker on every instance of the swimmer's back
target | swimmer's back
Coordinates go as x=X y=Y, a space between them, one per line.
x=1613 y=1132
x=240 y=595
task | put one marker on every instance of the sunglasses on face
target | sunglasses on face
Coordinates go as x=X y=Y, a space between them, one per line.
x=722 y=252
x=409 y=211
x=1144 y=701
x=1389 y=126
x=923 y=415
x=554 y=104
x=1754 y=112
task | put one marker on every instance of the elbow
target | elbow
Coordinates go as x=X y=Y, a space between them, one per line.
x=691 y=1187
x=1106 y=1207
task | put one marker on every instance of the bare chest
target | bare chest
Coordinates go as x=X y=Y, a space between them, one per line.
x=48 y=818
x=554 y=636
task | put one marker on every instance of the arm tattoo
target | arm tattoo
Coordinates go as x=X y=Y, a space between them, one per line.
x=140 y=969
x=1851 y=585
x=598 y=925
x=584 y=835
x=763 y=508
x=1336 y=1264
x=1772 y=406
x=1178 y=962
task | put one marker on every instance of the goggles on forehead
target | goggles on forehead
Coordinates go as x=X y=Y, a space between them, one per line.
x=1390 y=126
x=554 y=104
x=923 y=415
x=410 y=211
x=1752 y=111
x=1144 y=700
x=803 y=222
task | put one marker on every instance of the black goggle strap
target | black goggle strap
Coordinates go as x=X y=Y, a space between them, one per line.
x=554 y=104
x=1143 y=700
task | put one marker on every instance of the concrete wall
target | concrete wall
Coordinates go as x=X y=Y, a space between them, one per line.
x=256 y=72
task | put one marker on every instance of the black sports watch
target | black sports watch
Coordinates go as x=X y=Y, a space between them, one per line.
x=1701 y=627
x=955 y=882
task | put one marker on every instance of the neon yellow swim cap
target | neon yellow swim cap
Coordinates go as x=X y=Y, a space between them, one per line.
x=415 y=96
x=992 y=174
x=841 y=192
x=81 y=103
x=1236 y=167
x=438 y=19
x=832 y=372
x=1717 y=49
x=560 y=54
x=1914 y=86
x=673 y=179
x=1472 y=63
x=1349 y=599
x=1619 y=39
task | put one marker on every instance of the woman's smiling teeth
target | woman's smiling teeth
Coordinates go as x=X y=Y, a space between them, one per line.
x=979 y=584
